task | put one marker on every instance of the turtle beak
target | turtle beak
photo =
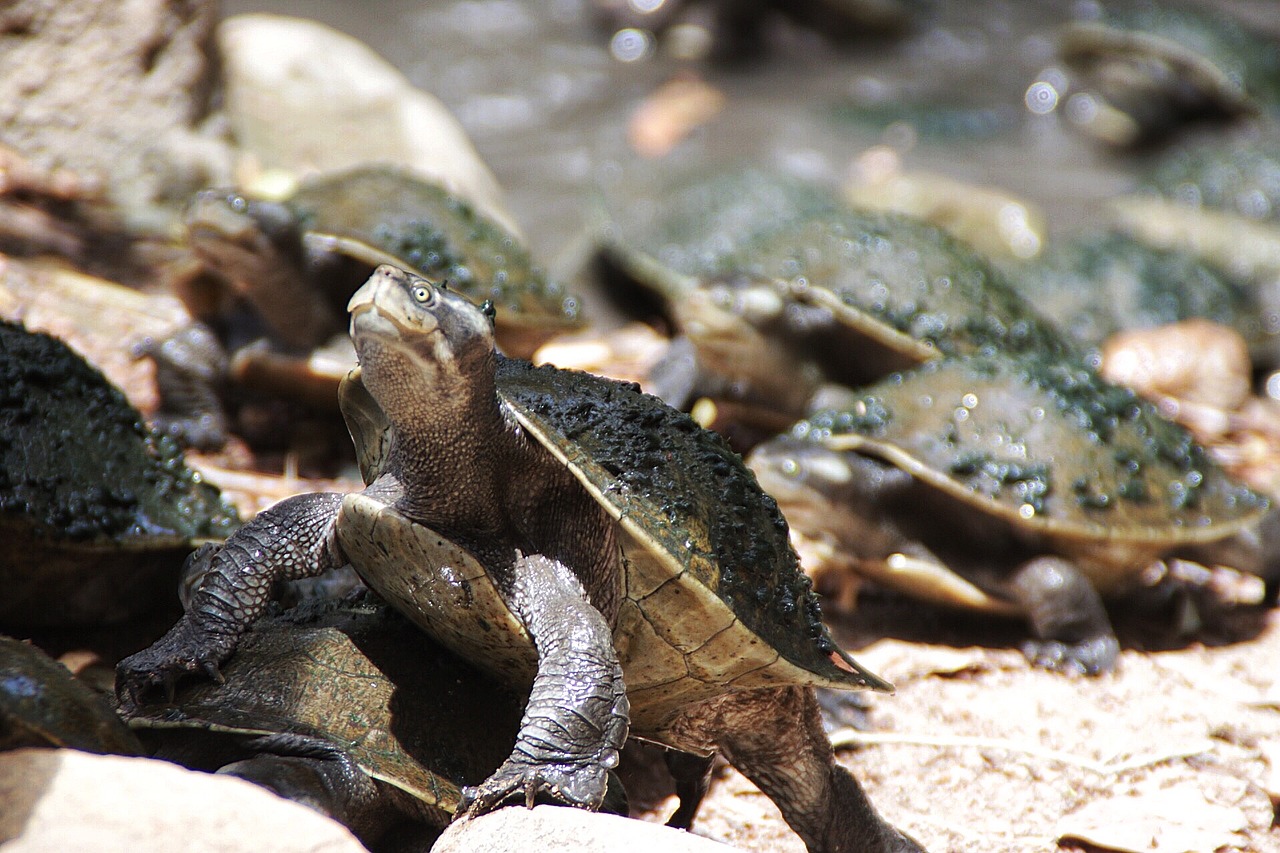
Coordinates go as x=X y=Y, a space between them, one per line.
x=384 y=276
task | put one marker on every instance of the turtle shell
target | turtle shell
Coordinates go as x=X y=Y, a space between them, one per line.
x=1050 y=448
x=713 y=595
x=362 y=678
x=42 y=704
x=95 y=511
x=383 y=214
x=867 y=292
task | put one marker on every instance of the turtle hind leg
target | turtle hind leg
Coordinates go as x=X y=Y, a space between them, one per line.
x=774 y=737
x=1066 y=614
x=692 y=774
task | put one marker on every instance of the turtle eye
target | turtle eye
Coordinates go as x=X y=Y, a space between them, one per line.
x=422 y=294
x=488 y=310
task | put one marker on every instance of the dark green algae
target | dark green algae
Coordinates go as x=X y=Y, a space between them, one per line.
x=77 y=463
x=1053 y=436
x=686 y=488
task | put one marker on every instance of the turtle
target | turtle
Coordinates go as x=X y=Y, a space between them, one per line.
x=284 y=270
x=1021 y=487
x=43 y=704
x=574 y=536
x=96 y=511
x=346 y=706
x=1141 y=74
x=772 y=282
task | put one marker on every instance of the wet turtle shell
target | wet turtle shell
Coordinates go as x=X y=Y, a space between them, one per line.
x=859 y=293
x=714 y=598
x=95 y=511
x=360 y=678
x=1101 y=283
x=42 y=704
x=342 y=225
x=1149 y=69
x=1071 y=463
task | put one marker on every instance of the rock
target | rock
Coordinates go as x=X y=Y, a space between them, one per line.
x=114 y=91
x=69 y=800
x=303 y=98
x=567 y=830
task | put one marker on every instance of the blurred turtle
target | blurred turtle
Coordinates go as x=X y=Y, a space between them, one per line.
x=277 y=275
x=773 y=286
x=1017 y=487
x=1141 y=71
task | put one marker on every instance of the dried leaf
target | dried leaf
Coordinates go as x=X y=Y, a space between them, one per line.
x=1175 y=819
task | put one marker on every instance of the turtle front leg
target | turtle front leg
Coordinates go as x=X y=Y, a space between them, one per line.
x=1073 y=633
x=290 y=540
x=576 y=719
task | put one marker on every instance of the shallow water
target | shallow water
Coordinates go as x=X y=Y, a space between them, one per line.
x=546 y=104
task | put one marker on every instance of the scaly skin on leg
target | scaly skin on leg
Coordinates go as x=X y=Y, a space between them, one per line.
x=290 y=540
x=1073 y=633
x=576 y=719
x=792 y=763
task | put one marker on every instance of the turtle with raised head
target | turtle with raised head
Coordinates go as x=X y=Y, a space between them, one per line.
x=575 y=536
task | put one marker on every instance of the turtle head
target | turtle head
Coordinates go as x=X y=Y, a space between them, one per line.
x=415 y=335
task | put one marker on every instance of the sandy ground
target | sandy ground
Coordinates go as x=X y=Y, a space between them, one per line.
x=1176 y=751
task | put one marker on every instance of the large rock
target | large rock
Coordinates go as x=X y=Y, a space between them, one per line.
x=114 y=91
x=302 y=97
x=567 y=830
x=67 y=800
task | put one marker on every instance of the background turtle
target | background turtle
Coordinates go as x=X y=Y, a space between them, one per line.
x=285 y=269
x=774 y=285
x=346 y=707
x=95 y=510
x=1018 y=487
x=523 y=540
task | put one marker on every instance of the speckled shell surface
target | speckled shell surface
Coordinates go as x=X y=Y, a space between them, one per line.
x=1046 y=445
x=388 y=215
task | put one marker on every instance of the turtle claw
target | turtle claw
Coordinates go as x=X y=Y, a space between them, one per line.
x=181 y=652
x=582 y=786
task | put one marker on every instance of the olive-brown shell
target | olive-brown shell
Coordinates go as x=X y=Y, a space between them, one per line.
x=363 y=678
x=1046 y=445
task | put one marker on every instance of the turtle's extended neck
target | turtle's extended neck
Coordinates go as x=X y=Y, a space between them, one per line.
x=452 y=447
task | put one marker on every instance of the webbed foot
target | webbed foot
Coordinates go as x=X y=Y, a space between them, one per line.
x=579 y=785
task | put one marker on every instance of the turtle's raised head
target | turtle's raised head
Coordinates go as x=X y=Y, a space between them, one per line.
x=413 y=335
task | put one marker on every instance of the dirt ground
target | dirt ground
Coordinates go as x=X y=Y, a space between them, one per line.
x=1179 y=750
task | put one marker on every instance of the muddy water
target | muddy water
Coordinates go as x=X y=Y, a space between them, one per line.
x=547 y=105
